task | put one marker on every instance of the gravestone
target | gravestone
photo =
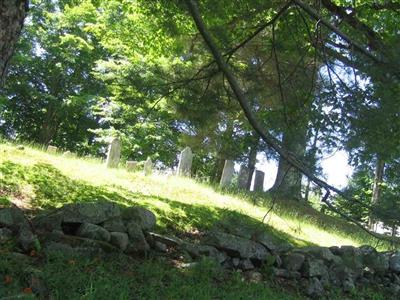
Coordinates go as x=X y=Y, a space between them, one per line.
x=185 y=162
x=114 y=153
x=52 y=149
x=148 y=167
x=243 y=177
x=131 y=165
x=67 y=154
x=259 y=181
x=227 y=173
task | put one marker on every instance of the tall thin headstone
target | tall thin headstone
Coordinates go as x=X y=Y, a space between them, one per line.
x=148 y=167
x=185 y=162
x=114 y=153
x=227 y=173
x=243 y=177
x=259 y=181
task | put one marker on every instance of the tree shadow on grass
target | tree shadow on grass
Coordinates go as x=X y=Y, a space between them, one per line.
x=50 y=188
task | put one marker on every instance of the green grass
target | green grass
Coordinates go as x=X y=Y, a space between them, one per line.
x=42 y=181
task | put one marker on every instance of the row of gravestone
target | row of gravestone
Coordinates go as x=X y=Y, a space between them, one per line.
x=184 y=166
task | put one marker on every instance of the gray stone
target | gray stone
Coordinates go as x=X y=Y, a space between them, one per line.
x=185 y=162
x=394 y=262
x=339 y=274
x=27 y=240
x=49 y=222
x=272 y=243
x=236 y=246
x=137 y=241
x=227 y=173
x=114 y=225
x=5 y=234
x=235 y=262
x=119 y=240
x=243 y=177
x=376 y=262
x=314 y=267
x=293 y=261
x=114 y=153
x=283 y=273
x=197 y=251
x=348 y=285
x=148 y=167
x=94 y=232
x=318 y=252
x=314 y=288
x=259 y=181
x=52 y=149
x=246 y=264
x=142 y=216
x=90 y=212
x=160 y=247
x=13 y=218
x=352 y=258
x=131 y=165
x=253 y=276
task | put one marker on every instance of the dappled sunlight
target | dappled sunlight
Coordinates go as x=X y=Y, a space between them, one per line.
x=181 y=204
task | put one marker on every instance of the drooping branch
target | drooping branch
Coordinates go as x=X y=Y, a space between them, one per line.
x=264 y=134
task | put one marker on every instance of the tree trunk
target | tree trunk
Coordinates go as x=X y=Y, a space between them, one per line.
x=252 y=160
x=288 y=179
x=376 y=190
x=12 y=15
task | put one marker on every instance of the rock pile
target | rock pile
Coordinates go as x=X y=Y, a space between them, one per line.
x=104 y=227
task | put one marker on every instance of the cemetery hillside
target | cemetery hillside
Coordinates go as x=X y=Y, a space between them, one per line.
x=183 y=149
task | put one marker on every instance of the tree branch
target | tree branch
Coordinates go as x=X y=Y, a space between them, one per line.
x=265 y=135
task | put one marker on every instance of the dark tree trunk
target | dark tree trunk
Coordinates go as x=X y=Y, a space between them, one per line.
x=12 y=15
x=252 y=159
x=288 y=179
x=376 y=190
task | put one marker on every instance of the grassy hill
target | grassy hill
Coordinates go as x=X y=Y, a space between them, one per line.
x=38 y=181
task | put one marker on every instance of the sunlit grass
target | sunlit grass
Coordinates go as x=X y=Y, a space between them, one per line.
x=180 y=203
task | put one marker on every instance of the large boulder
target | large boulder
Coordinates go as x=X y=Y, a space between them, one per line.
x=314 y=268
x=94 y=232
x=352 y=258
x=376 y=262
x=318 y=252
x=114 y=225
x=27 y=240
x=137 y=241
x=197 y=251
x=141 y=216
x=13 y=218
x=272 y=243
x=119 y=240
x=89 y=212
x=236 y=246
x=394 y=262
x=293 y=261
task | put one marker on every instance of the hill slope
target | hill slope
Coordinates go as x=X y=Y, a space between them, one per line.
x=38 y=181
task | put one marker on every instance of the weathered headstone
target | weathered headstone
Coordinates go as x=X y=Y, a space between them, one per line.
x=227 y=173
x=244 y=173
x=148 y=167
x=131 y=165
x=185 y=162
x=259 y=181
x=52 y=149
x=67 y=154
x=114 y=153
